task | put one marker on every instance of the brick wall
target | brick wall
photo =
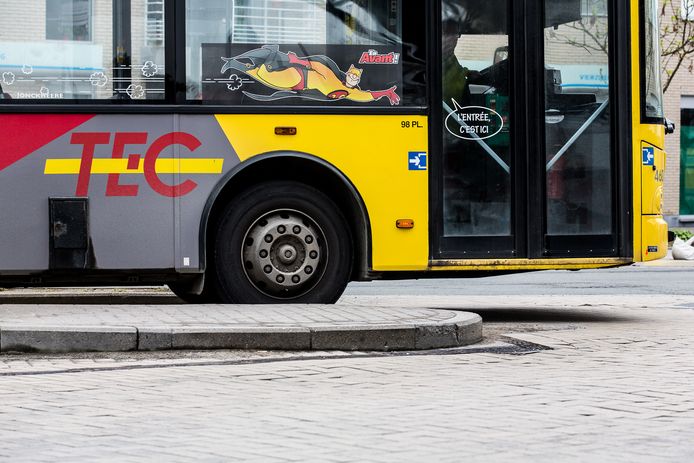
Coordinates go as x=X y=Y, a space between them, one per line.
x=31 y=27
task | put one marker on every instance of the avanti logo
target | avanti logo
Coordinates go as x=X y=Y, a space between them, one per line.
x=374 y=57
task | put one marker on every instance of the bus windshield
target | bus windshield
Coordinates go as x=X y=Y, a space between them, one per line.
x=652 y=93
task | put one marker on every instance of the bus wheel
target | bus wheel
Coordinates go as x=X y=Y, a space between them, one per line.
x=282 y=242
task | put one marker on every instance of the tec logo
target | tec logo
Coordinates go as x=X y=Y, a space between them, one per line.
x=149 y=164
x=417 y=160
x=648 y=156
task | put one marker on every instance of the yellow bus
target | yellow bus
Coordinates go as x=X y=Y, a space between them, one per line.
x=258 y=151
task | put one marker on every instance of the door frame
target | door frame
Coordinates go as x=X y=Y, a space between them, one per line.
x=529 y=238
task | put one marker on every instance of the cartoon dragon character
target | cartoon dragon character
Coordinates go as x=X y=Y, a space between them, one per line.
x=314 y=77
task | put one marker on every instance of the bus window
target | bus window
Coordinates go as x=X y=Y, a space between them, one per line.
x=577 y=119
x=652 y=98
x=476 y=99
x=83 y=50
x=299 y=52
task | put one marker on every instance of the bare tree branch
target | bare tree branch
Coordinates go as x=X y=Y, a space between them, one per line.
x=591 y=29
x=676 y=38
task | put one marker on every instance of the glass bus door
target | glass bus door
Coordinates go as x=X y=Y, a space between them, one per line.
x=579 y=147
x=478 y=160
x=527 y=154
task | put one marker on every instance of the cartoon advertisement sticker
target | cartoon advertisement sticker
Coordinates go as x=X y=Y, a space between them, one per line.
x=301 y=74
x=473 y=122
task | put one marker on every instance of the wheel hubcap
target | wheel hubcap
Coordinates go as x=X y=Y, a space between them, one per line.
x=284 y=253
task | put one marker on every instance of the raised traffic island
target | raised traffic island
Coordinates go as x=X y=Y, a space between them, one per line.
x=113 y=328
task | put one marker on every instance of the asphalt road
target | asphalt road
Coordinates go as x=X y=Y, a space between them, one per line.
x=666 y=277
x=625 y=280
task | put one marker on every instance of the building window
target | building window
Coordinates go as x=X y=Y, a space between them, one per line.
x=154 y=27
x=593 y=8
x=687 y=12
x=257 y=21
x=687 y=158
x=69 y=20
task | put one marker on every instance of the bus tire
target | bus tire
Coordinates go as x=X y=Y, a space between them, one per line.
x=280 y=242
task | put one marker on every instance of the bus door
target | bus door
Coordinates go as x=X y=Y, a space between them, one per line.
x=526 y=157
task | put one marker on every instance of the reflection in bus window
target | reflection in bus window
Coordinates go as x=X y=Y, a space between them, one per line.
x=297 y=52
x=82 y=50
x=577 y=119
x=69 y=20
x=476 y=106
x=652 y=104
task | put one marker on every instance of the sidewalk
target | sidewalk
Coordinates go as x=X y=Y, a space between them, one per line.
x=615 y=383
x=119 y=328
x=667 y=261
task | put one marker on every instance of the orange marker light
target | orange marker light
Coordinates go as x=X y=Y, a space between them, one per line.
x=404 y=223
x=285 y=130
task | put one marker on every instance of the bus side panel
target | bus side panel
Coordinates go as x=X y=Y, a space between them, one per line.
x=654 y=234
x=105 y=159
x=653 y=227
x=217 y=158
x=383 y=156
x=24 y=191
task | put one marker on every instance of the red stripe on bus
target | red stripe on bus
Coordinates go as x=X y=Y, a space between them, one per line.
x=22 y=134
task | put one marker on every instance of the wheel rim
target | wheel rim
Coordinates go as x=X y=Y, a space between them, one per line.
x=284 y=254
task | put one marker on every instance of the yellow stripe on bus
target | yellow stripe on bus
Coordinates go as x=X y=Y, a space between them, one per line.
x=120 y=166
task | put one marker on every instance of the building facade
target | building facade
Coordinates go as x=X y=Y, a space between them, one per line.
x=678 y=196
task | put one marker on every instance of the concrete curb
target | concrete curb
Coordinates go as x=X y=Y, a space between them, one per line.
x=460 y=329
x=67 y=338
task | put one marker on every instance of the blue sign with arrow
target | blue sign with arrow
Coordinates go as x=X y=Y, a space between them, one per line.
x=648 y=156
x=417 y=160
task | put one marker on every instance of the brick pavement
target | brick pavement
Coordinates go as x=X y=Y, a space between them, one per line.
x=617 y=385
x=217 y=315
